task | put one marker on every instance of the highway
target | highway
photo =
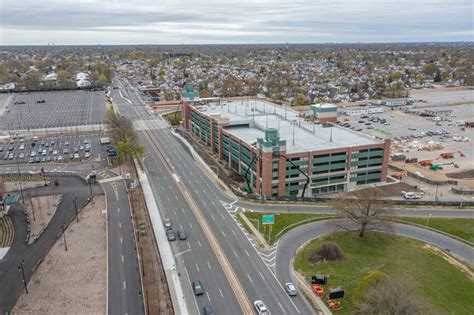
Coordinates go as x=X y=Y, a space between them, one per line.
x=256 y=276
x=169 y=162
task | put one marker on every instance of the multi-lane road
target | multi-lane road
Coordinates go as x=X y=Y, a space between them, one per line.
x=182 y=187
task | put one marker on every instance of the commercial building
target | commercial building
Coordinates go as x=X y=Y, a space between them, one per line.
x=324 y=113
x=281 y=154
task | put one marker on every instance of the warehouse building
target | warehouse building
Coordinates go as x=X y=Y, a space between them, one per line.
x=281 y=154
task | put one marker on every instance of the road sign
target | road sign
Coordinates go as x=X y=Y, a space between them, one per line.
x=268 y=219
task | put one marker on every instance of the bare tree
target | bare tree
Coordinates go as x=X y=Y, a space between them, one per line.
x=391 y=296
x=365 y=209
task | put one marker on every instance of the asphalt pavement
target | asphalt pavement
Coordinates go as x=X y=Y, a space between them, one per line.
x=10 y=278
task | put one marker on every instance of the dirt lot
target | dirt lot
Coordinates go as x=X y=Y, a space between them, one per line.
x=72 y=282
x=392 y=190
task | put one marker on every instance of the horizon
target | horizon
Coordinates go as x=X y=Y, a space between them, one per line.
x=188 y=22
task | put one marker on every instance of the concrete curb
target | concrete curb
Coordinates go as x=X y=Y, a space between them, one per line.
x=176 y=291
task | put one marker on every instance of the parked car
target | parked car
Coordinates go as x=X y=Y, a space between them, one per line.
x=198 y=288
x=167 y=222
x=60 y=158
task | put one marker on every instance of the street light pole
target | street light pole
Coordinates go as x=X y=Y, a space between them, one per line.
x=64 y=236
x=75 y=208
x=19 y=181
x=428 y=221
x=20 y=268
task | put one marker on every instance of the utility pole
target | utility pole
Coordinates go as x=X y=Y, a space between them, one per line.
x=20 y=268
x=75 y=208
x=64 y=235
x=19 y=178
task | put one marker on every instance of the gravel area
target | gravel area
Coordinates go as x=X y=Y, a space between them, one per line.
x=73 y=281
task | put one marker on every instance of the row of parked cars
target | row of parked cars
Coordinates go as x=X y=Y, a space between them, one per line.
x=423 y=134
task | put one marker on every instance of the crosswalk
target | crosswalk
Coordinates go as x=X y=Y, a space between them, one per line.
x=268 y=255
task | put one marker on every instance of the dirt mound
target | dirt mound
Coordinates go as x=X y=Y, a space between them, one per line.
x=462 y=175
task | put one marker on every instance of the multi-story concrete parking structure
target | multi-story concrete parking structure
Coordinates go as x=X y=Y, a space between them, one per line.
x=281 y=154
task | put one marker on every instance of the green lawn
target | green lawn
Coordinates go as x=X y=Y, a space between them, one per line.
x=282 y=220
x=460 y=227
x=435 y=280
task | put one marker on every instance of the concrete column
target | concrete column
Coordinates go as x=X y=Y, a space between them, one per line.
x=386 y=157
x=281 y=174
x=267 y=158
x=186 y=114
x=212 y=135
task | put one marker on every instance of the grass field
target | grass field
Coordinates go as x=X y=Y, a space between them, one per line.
x=282 y=220
x=460 y=227
x=444 y=286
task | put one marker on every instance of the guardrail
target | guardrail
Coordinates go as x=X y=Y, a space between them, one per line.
x=289 y=227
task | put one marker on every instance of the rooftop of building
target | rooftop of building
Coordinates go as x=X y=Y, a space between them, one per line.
x=249 y=118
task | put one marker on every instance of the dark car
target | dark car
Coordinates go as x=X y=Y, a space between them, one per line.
x=182 y=234
x=10 y=148
x=207 y=310
x=198 y=288
x=170 y=235
x=19 y=103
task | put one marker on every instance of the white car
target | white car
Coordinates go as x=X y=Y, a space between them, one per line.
x=290 y=289
x=55 y=152
x=60 y=158
x=22 y=147
x=87 y=155
x=22 y=155
x=261 y=308
x=33 y=154
x=76 y=155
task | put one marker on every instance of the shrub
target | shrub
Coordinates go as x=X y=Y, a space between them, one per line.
x=368 y=281
x=329 y=251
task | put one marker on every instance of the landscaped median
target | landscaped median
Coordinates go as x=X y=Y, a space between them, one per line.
x=459 y=227
x=437 y=282
x=283 y=223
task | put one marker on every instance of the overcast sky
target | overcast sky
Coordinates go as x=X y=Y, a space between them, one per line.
x=28 y=22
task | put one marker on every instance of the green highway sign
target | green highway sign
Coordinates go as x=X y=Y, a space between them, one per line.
x=268 y=219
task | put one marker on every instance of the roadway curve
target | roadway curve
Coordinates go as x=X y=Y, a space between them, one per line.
x=290 y=242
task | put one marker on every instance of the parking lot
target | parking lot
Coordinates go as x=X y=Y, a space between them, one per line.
x=422 y=137
x=35 y=110
x=43 y=150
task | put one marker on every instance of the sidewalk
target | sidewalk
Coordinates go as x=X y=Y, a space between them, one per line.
x=176 y=291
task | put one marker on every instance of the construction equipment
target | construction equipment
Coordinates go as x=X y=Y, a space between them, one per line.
x=399 y=175
x=447 y=155
x=425 y=163
x=439 y=166
x=335 y=305
x=411 y=160
x=318 y=289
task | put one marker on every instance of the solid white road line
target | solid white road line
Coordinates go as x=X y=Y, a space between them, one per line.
x=209 y=265
x=251 y=281
x=222 y=295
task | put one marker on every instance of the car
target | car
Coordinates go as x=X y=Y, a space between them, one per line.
x=44 y=152
x=48 y=159
x=198 y=288
x=35 y=139
x=53 y=142
x=66 y=151
x=31 y=160
x=207 y=310
x=88 y=148
x=76 y=150
x=1 y=149
x=10 y=148
x=55 y=152
x=167 y=222
x=170 y=235
x=42 y=143
x=260 y=307
x=33 y=153
x=290 y=288
x=5 y=157
x=22 y=147
x=22 y=140
x=46 y=144
x=87 y=155
x=12 y=141
x=50 y=150
x=182 y=234
x=66 y=143
x=60 y=158
x=81 y=148
x=86 y=141
x=370 y=127
x=10 y=156
x=41 y=101
x=19 y=102
x=21 y=156
x=411 y=128
x=43 y=159
x=76 y=156
x=37 y=159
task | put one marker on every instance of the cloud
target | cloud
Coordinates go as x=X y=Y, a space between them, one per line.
x=224 y=21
